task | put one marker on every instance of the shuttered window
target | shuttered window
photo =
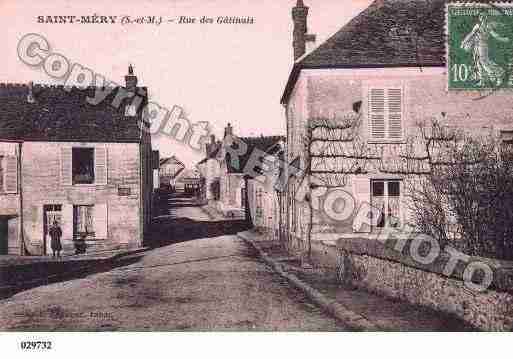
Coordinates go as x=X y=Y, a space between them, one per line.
x=10 y=174
x=81 y=165
x=386 y=113
x=66 y=169
x=100 y=164
x=100 y=221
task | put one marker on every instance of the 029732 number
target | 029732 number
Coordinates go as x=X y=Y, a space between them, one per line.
x=36 y=345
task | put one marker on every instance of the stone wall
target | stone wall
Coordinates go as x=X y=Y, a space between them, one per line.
x=375 y=266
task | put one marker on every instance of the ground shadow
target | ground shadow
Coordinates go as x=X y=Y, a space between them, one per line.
x=167 y=232
x=20 y=278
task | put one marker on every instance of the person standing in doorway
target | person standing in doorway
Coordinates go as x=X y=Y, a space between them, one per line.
x=55 y=235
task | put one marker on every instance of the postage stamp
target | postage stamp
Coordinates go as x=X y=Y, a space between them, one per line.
x=480 y=46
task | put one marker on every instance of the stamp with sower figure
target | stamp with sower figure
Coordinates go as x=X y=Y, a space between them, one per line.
x=480 y=46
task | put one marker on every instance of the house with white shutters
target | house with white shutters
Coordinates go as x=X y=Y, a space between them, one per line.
x=385 y=70
x=88 y=167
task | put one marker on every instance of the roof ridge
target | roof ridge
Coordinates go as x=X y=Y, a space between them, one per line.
x=59 y=86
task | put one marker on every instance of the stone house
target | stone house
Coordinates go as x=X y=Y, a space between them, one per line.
x=170 y=168
x=189 y=181
x=209 y=169
x=386 y=71
x=225 y=184
x=88 y=167
x=233 y=179
x=266 y=195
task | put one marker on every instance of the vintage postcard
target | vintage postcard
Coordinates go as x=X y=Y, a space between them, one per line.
x=272 y=166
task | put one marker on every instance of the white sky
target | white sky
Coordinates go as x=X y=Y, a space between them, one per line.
x=217 y=73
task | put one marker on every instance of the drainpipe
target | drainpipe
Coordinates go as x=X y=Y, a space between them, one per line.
x=20 y=191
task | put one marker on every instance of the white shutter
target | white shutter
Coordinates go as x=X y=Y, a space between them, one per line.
x=386 y=113
x=100 y=165
x=11 y=174
x=377 y=113
x=395 y=113
x=67 y=222
x=100 y=221
x=362 y=192
x=66 y=166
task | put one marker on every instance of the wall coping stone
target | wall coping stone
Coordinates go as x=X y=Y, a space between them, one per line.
x=502 y=270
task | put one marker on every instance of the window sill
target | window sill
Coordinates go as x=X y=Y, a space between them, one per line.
x=387 y=142
x=86 y=185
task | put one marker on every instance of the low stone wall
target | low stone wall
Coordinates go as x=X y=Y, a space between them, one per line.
x=377 y=267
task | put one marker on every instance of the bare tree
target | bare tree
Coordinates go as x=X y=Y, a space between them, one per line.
x=466 y=199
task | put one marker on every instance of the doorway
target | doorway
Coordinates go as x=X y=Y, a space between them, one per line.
x=51 y=213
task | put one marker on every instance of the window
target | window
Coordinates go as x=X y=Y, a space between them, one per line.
x=386 y=196
x=83 y=165
x=386 y=113
x=83 y=222
x=506 y=145
x=507 y=151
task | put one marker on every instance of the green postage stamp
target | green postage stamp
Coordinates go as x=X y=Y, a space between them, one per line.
x=480 y=46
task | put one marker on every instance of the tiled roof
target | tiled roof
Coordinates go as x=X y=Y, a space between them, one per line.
x=59 y=115
x=172 y=161
x=263 y=143
x=387 y=33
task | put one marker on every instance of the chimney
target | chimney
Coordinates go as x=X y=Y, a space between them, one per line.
x=210 y=147
x=301 y=40
x=131 y=80
x=228 y=130
x=30 y=94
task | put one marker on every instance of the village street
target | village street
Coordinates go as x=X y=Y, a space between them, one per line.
x=197 y=276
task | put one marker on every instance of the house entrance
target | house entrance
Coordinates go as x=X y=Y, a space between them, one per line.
x=52 y=212
x=386 y=196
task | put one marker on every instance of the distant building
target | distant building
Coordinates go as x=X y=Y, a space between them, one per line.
x=170 y=168
x=209 y=169
x=189 y=181
x=266 y=194
x=227 y=182
x=88 y=167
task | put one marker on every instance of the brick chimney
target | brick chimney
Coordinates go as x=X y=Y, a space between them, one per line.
x=302 y=41
x=131 y=80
